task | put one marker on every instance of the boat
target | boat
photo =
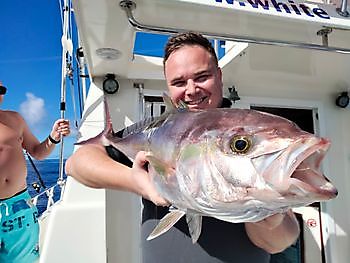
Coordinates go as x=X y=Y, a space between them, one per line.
x=287 y=57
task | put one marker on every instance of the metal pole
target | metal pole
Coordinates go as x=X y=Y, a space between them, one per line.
x=140 y=87
x=66 y=11
x=128 y=6
x=342 y=10
x=82 y=75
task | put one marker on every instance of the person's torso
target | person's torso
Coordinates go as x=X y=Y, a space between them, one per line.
x=12 y=162
x=218 y=242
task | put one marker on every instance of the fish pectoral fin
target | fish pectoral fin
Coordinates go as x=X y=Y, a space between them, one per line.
x=162 y=168
x=166 y=223
x=194 y=223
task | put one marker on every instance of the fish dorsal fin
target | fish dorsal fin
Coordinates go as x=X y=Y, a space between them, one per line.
x=180 y=107
x=102 y=138
x=166 y=223
x=194 y=222
x=168 y=102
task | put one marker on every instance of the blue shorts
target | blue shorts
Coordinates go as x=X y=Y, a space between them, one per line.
x=19 y=229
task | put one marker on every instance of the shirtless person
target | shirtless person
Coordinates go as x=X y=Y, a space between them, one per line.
x=19 y=229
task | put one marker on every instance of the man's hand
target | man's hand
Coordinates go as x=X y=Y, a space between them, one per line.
x=272 y=221
x=60 y=127
x=274 y=233
x=144 y=181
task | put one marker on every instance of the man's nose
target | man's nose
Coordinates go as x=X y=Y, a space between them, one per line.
x=191 y=87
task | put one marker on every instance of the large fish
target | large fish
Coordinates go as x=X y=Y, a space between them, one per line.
x=236 y=165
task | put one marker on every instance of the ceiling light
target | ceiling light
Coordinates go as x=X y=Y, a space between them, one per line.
x=108 y=53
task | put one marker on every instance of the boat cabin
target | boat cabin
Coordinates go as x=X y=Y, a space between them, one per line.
x=286 y=57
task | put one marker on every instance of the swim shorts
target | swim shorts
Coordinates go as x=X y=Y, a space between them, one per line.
x=19 y=229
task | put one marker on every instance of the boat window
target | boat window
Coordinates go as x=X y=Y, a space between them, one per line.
x=148 y=44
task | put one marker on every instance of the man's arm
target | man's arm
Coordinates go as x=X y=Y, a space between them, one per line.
x=40 y=150
x=275 y=233
x=91 y=166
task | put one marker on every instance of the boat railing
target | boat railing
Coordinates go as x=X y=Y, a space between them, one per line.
x=129 y=6
x=53 y=195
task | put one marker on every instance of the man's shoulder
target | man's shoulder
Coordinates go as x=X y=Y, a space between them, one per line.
x=12 y=115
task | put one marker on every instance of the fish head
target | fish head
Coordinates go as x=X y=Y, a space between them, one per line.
x=272 y=158
x=237 y=166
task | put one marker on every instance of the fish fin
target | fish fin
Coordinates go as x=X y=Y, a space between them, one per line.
x=161 y=168
x=180 y=107
x=194 y=222
x=168 y=102
x=166 y=223
x=101 y=138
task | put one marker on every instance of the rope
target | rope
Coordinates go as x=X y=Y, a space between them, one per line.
x=73 y=96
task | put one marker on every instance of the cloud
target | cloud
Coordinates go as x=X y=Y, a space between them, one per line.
x=33 y=109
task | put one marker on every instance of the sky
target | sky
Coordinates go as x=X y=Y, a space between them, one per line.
x=30 y=66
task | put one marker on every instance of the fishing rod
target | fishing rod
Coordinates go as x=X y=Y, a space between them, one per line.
x=35 y=185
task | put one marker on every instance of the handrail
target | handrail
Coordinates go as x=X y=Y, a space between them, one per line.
x=49 y=193
x=128 y=6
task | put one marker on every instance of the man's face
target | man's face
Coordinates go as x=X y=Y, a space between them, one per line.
x=193 y=77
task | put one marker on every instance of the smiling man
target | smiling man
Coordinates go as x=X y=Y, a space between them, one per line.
x=194 y=77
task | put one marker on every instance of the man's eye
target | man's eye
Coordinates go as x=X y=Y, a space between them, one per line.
x=202 y=78
x=178 y=83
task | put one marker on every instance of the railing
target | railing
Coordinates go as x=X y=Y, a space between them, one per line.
x=128 y=6
x=51 y=196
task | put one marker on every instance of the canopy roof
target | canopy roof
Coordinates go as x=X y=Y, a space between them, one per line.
x=104 y=25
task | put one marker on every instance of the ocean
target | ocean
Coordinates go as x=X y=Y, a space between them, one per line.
x=49 y=172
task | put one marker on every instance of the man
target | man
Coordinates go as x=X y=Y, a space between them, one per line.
x=193 y=76
x=19 y=229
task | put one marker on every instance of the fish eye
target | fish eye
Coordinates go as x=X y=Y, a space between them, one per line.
x=240 y=144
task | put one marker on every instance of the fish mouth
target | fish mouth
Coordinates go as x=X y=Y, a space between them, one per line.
x=305 y=174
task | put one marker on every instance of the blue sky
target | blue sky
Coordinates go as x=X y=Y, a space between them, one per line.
x=30 y=64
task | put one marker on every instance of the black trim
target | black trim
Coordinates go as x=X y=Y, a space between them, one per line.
x=226 y=103
x=2 y=90
x=18 y=193
x=53 y=140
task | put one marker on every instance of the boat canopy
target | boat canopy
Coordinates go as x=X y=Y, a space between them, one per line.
x=107 y=28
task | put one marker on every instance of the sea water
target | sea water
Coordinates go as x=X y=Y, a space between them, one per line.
x=48 y=170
